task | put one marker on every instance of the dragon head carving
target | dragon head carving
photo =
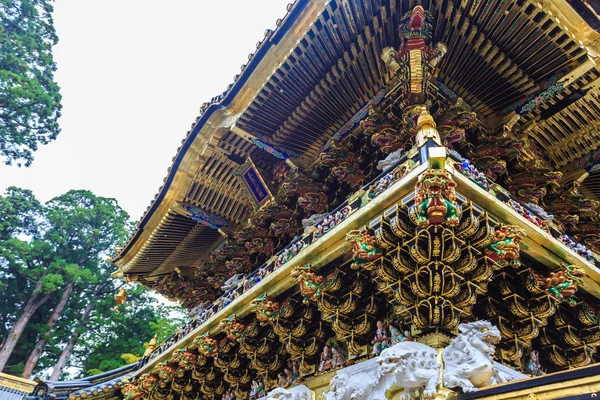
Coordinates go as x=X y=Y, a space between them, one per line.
x=207 y=346
x=234 y=330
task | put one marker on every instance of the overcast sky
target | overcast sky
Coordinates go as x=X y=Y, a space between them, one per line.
x=133 y=74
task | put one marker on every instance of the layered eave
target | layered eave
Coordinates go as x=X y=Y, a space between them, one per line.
x=322 y=64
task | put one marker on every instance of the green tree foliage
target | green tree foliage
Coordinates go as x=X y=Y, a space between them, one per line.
x=110 y=335
x=29 y=96
x=45 y=249
x=18 y=212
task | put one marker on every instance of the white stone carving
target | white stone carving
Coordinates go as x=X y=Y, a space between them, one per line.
x=409 y=365
x=540 y=211
x=313 y=220
x=232 y=283
x=507 y=374
x=391 y=160
x=194 y=312
x=300 y=392
x=468 y=362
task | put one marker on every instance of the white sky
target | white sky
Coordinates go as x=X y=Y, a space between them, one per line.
x=133 y=74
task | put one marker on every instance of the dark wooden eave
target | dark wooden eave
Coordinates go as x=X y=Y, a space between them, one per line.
x=322 y=65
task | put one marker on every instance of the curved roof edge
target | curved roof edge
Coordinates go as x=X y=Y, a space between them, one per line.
x=218 y=103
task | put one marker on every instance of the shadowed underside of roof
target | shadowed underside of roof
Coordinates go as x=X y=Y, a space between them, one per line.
x=323 y=63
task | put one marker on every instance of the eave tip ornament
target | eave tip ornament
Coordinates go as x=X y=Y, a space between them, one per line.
x=120 y=298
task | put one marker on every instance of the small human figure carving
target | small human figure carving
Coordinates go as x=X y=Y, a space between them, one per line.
x=326 y=362
x=533 y=366
x=282 y=380
x=339 y=358
x=381 y=341
x=396 y=335
x=253 y=389
x=295 y=370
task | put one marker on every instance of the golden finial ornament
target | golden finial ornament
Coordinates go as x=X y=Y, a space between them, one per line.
x=151 y=346
x=426 y=129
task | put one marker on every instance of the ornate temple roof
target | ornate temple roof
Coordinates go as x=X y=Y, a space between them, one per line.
x=307 y=80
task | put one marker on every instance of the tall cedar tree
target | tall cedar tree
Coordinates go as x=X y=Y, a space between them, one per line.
x=29 y=96
x=50 y=250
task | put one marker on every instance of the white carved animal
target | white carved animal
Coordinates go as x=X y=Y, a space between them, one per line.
x=468 y=359
x=391 y=160
x=231 y=283
x=414 y=366
x=409 y=365
x=313 y=220
x=194 y=312
x=300 y=392
x=355 y=387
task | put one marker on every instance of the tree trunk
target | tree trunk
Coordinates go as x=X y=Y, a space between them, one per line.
x=34 y=302
x=66 y=353
x=41 y=343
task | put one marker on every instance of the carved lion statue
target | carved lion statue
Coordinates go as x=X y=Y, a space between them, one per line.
x=409 y=365
x=364 y=247
x=468 y=361
x=300 y=392
x=435 y=200
x=505 y=249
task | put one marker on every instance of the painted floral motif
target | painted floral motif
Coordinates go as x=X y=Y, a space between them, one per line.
x=205 y=218
x=549 y=90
